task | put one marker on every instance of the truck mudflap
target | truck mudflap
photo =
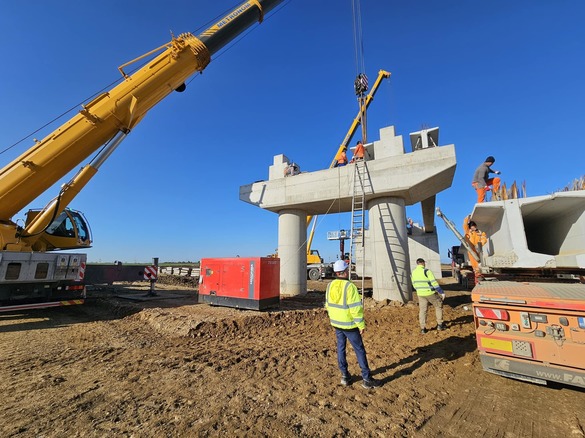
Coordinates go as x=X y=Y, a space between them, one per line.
x=531 y=371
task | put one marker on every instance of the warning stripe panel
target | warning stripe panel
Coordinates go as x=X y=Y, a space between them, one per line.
x=150 y=273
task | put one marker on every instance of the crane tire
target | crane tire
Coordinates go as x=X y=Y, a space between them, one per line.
x=314 y=274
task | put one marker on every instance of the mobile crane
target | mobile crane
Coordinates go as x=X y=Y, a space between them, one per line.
x=31 y=276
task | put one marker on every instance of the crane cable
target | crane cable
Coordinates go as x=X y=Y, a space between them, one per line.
x=358 y=37
x=361 y=81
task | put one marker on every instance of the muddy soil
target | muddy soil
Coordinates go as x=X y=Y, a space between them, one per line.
x=169 y=367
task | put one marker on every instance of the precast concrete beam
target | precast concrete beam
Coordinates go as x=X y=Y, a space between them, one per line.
x=537 y=232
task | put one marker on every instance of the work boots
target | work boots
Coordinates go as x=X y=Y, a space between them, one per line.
x=372 y=383
x=346 y=380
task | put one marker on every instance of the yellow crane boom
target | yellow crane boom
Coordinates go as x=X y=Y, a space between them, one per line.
x=108 y=119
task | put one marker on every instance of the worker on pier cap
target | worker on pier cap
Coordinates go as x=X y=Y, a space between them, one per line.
x=341 y=159
x=358 y=153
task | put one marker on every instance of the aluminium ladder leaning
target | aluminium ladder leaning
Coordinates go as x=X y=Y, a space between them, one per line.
x=361 y=185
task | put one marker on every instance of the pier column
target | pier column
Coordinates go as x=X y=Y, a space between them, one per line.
x=389 y=249
x=292 y=251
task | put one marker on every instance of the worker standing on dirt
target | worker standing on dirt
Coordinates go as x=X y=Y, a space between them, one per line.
x=477 y=239
x=358 y=153
x=428 y=292
x=481 y=181
x=346 y=314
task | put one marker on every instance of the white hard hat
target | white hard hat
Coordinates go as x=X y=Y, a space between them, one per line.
x=340 y=266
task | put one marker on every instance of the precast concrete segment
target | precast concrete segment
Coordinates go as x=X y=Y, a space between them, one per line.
x=292 y=251
x=536 y=232
x=388 y=242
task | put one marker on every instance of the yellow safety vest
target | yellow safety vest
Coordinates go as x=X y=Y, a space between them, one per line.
x=344 y=305
x=423 y=281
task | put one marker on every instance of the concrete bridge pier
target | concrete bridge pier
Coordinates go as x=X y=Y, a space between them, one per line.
x=395 y=179
x=292 y=251
x=389 y=249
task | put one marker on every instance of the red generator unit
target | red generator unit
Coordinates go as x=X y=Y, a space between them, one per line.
x=243 y=282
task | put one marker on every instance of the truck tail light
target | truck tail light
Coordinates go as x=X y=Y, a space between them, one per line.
x=484 y=312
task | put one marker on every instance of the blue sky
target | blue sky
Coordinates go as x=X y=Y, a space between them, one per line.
x=499 y=78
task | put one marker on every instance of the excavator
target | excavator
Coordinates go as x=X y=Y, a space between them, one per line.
x=31 y=274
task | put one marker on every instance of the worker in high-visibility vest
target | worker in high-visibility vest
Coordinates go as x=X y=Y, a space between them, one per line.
x=428 y=292
x=346 y=314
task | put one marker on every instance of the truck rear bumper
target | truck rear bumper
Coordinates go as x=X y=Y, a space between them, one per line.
x=531 y=371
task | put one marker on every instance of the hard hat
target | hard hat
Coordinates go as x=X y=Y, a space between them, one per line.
x=340 y=266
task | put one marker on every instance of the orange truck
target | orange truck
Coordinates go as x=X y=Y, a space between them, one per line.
x=531 y=331
x=529 y=293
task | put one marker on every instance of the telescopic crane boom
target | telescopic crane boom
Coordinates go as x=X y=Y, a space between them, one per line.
x=108 y=118
x=31 y=275
x=466 y=244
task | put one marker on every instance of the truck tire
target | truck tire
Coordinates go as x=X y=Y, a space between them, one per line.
x=314 y=274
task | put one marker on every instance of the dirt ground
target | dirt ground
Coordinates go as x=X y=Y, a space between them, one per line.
x=169 y=367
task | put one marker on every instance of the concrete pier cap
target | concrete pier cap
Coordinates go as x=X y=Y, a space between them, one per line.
x=396 y=179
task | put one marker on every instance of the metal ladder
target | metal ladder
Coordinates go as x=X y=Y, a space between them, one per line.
x=361 y=184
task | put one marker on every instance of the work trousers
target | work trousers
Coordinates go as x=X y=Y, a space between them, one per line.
x=481 y=191
x=355 y=339
x=423 y=304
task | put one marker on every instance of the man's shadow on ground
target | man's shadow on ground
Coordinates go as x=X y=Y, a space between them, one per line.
x=448 y=349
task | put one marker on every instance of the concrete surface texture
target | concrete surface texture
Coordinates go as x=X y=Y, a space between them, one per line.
x=536 y=232
x=420 y=244
x=395 y=179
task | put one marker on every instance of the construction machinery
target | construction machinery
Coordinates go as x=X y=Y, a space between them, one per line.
x=31 y=275
x=461 y=267
x=241 y=282
x=529 y=299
